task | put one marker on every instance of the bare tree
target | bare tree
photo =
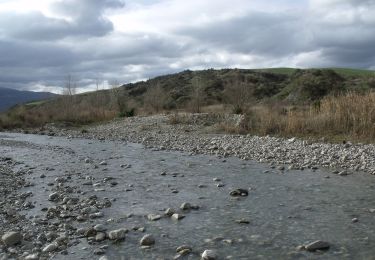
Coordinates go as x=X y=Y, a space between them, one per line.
x=238 y=94
x=69 y=90
x=119 y=97
x=155 y=98
x=197 y=94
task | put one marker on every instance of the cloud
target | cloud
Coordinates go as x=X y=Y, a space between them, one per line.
x=41 y=44
x=83 y=18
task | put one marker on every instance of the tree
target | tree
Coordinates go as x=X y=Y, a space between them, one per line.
x=238 y=94
x=119 y=97
x=155 y=98
x=197 y=94
x=69 y=90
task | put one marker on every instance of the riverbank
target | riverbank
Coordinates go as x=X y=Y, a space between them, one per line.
x=198 y=134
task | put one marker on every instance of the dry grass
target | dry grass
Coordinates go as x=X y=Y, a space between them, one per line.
x=350 y=116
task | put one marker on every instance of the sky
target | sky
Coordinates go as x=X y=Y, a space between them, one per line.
x=43 y=42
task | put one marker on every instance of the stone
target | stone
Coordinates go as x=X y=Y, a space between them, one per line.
x=153 y=217
x=118 y=234
x=53 y=196
x=100 y=237
x=169 y=212
x=185 y=206
x=317 y=245
x=100 y=228
x=355 y=220
x=32 y=257
x=103 y=163
x=239 y=193
x=209 y=255
x=183 y=248
x=243 y=221
x=50 y=248
x=177 y=216
x=147 y=240
x=11 y=238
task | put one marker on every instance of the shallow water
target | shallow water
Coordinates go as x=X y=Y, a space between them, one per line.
x=285 y=209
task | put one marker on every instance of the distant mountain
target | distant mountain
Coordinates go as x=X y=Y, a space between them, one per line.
x=11 y=97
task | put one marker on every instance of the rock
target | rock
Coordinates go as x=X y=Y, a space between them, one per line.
x=53 y=196
x=100 y=228
x=100 y=237
x=50 y=248
x=317 y=245
x=343 y=173
x=220 y=185
x=185 y=206
x=216 y=179
x=42 y=175
x=371 y=210
x=103 y=163
x=243 y=221
x=355 y=220
x=169 y=212
x=87 y=160
x=147 y=240
x=118 y=234
x=153 y=217
x=239 y=193
x=184 y=248
x=209 y=255
x=177 y=216
x=99 y=251
x=11 y=238
x=103 y=258
x=32 y=257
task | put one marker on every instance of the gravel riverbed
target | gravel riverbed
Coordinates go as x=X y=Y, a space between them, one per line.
x=194 y=135
x=97 y=194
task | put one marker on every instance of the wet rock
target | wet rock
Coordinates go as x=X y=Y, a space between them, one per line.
x=153 y=217
x=118 y=234
x=100 y=228
x=185 y=206
x=53 y=196
x=50 y=248
x=184 y=250
x=317 y=245
x=32 y=257
x=11 y=238
x=209 y=255
x=239 y=193
x=99 y=251
x=169 y=212
x=147 y=240
x=177 y=216
x=242 y=221
x=100 y=236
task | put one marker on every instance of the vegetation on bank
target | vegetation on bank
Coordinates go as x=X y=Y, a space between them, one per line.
x=334 y=103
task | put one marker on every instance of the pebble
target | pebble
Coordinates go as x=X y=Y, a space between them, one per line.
x=118 y=234
x=11 y=238
x=50 y=248
x=177 y=216
x=317 y=245
x=209 y=255
x=153 y=217
x=185 y=206
x=147 y=240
